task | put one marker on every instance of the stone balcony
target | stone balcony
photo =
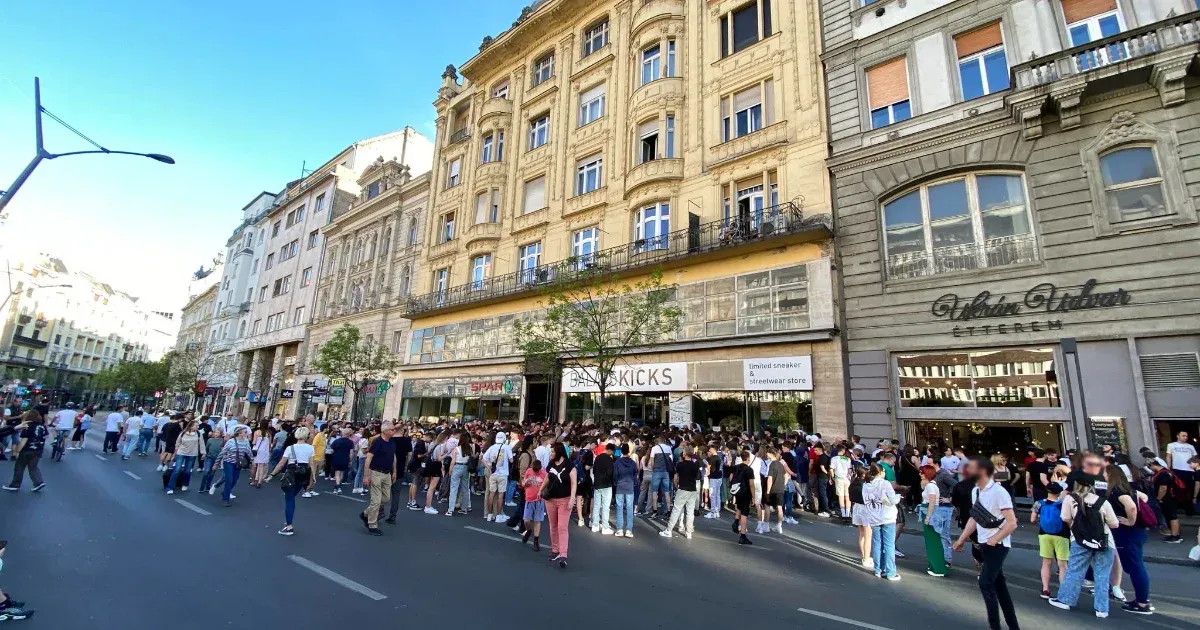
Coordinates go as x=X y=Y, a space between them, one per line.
x=495 y=107
x=653 y=171
x=586 y=201
x=647 y=100
x=441 y=250
x=482 y=232
x=531 y=220
x=651 y=10
x=765 y=138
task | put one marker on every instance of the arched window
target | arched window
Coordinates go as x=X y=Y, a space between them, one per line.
x=412 y=232
x=957 y=224
x=405 y=278
x=387 y=242
x=356 y=296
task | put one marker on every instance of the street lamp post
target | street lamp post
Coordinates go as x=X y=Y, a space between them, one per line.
x=42 y=154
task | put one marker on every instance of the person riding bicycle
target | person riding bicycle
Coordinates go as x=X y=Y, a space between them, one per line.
x=64 y=424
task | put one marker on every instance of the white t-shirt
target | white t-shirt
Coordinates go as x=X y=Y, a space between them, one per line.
x=299 y=453
x=931 y=491
x=995 y=498
x=162 y=422
x=755 y=464
x=840 y=467
x=65 y=419
x=951 y=463
x=504 y=453
x=133 y=424
x=112 y=423
x=1181 y=452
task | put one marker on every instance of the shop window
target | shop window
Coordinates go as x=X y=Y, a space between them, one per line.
x=1009 y=377
x=887 y=93
x=970 y=222
x=982 y=64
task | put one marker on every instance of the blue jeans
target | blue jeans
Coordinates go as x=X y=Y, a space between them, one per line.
x=183 y=463
x=144 y=438
x=210 y=467
x=511 y=491
x=1080 y=560
x=359 y=462
x=714 y=495
x=625 y=512
x=883 y=548
x=231 y=478
x=460 y=487
x=821 y=489
x=1129 y=549
x=942 y=516
x=289 y=503
x=601 y=500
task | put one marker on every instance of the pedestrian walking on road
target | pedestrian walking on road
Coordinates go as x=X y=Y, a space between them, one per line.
x=83 y=422
x=561 y=486
x=262 y=454
x=687 y=498
x=930 y=498
x=297 y=467
x=169 y=435
x=993 y=521
x=212 y=452
x=187 y=449
x=381 y=474
x=339 y=458
x=1090 y=519
x=27 y=451
x=130 y=432
x=112 y=430
x=235 y=456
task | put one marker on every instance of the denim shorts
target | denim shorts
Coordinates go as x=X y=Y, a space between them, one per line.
x=535 y=511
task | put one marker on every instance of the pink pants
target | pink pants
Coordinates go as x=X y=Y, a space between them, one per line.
x=559 y=513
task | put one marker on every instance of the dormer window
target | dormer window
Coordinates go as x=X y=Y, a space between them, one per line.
x=372 y=190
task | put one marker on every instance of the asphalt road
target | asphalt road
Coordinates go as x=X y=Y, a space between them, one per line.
x=103 y=546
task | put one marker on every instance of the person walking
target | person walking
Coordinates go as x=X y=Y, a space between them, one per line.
x=146 y=434
x=187 y=449
x=460 y=476
x=131 y=432
x=83 y=422
x=262 y=454
x=339 y=457
x=561 y=486
x=534 y=510
x=624 y=483
x=381 y=471
x=112 y=431
x=687 y=497
x=741 y=478
x=235 y=455
x=1090 y=519
x=320 y=445
x=27 y=451
x=992 y=521
x=212 y=452
x=523 y=461
x=297 y=464
x=716 y=474
x=880 y=501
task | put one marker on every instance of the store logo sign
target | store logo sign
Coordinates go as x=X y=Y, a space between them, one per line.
x=646 y=377
x=1044 y=298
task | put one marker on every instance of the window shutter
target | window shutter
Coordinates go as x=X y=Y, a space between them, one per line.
x=535 y=194
x=481 y=208
x=768 y=102
x=1075 y=10
x=978 y=40
x=1171 y=371
x=747 y=98
x=888 y=83
x=648 y=128
x=592 y=93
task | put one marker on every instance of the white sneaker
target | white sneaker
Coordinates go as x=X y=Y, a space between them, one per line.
x=449 y=512
x=629 y=533
x=431 y=510
x=487 y=517
x=666 y=533
x=313 y=493
x=1102 y=615
x=184 y=488
x=619 y=534
x=596 y=529
x=307 y=495
x=510 y=504
x=580 y=522
x=605 y=532
x=170 y=492
x=1117 y=593
x=779 y=528
x=212 y=491
x=232 y=496
x=687 y=535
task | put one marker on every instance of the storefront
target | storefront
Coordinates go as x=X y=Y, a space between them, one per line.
x=469 y=398
x=739 y=394
x=369 y=403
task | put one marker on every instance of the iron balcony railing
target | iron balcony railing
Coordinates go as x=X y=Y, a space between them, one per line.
x=994 y=252
x=773 y=222
x=1124 y=46
x=29 y=341
x=460 y=135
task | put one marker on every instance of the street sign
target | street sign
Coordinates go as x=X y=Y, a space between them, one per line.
x=287 y=393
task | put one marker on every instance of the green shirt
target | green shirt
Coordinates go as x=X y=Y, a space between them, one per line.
x=889 y=473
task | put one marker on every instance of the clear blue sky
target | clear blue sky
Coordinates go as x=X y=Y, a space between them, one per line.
x=239 y=92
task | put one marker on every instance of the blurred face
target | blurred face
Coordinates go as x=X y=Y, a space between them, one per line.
x=970 y=469
x=1093 y=465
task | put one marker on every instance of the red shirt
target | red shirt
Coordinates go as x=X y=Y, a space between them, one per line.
x=532 y=481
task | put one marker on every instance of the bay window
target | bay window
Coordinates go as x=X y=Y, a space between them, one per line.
x=654 y=67
x=968 y=222
x=652 y=227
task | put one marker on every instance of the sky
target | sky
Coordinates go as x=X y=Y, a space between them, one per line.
x=241 y=94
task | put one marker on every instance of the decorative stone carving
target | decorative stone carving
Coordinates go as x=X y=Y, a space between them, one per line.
x=1067 y=98
x=450 y=73
x=1168 y=78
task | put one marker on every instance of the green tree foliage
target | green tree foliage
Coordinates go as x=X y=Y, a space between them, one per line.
x=139 y=379
x=593 y=320
x=348 y=356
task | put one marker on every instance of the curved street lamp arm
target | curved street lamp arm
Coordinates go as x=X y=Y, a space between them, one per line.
x=154 y=156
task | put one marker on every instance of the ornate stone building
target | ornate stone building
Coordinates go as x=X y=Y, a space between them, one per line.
x=1014 y=188
x=652 y=133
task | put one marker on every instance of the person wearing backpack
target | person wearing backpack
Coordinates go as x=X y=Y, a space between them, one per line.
x=1134 y=515
x=1054 y=542
x=1091 y=520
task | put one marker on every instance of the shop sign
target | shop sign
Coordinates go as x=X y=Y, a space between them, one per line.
x=287 y=393
x=645 y=377
x=376 y=390
x=1108 y=430
x=778 y=373
x=200 y=386
x=483 y=386
x=338 y=382
x=254 y=397
x=680 y=410
x=503 y=386
x=1044 y=298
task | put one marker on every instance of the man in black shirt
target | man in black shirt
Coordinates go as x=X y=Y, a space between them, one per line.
x=602 y=489
x=820 y=479
x=380 y=471
x=1036 y=475
x=773 y=492
x=687 y=472
x=403 y=445
x=415 y=465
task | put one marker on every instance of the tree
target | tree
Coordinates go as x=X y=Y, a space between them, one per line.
x=139 y=379
x=359 y=362
x=593 y=320
x=187 y=366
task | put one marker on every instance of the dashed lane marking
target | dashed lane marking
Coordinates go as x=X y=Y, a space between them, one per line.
x=496 y=534
x=101 y=458
x=851 y=622
x=194 y=508
x=342 y=496
x=337 y=578
x=133 y=475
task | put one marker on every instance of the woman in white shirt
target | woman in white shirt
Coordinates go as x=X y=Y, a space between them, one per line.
x=460 y=476
x=298 y=459
x=880 y=501
x=930 y=497
x=1084 y=553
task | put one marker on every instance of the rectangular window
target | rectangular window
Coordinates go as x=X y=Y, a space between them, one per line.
x=291 y=218
x=314 y=238
x=539 y=131
x=255 y=327
x=441 y=282
x=745 y=26
x=584 y=244
x=480 y=269
x=298 y=317
x=595 y=37
x=306 y=277
x=535 y=195
x=500 y=90
x=454 y=174
x=446 y=227
x=651 y=227
x=275 y=229
x=270 y=261
x=372 y=190
x=481 y=206
x=982 y=65
x=489 y=146
x=397 y=341
x=320 y=203
x=300 y=214
x=591 y=105
x=589 y=175
x=262 y=294
x=747 y=111
x=669 y=148
x=996 y=377
x=530 y=259
x=887 y=93
x=499 y=146
x=651 y=63
x=543 y=69
x=648 y=144
x=494 y=213
x=1091 y=20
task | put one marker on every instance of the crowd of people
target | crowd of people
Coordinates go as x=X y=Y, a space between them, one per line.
x=1093 y=510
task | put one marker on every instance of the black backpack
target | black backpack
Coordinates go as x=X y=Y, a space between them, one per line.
x=1088 y=526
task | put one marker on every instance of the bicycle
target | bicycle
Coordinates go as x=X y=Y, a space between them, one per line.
x=59 y=448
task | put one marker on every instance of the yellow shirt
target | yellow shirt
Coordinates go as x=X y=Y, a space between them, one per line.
x=318 y=445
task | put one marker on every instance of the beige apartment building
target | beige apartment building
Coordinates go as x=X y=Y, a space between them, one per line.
x=371 y=257
x=652 y=133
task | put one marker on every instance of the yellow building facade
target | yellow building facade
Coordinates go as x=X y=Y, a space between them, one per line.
x=647 y=134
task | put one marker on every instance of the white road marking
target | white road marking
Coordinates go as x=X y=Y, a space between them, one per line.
x=496 y=534
x=653 y=523
x=852 y=622
x=133 y=475
x=337 y=578
x=101 y=458
x=342 y=496
x=193 y=508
